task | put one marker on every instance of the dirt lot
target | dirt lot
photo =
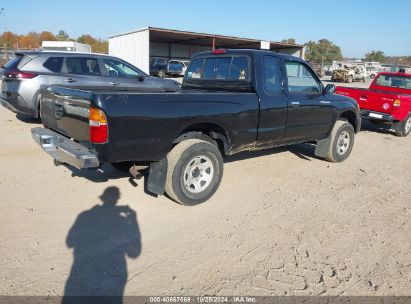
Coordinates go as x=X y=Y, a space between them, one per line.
x=282 y=222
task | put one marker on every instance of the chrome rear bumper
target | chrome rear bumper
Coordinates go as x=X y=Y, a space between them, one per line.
x=65 y=150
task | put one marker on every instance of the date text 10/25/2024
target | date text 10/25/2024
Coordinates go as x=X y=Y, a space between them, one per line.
x=203 y=299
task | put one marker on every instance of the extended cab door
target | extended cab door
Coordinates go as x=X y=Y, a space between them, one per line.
x=309 y=112
x=273 y=103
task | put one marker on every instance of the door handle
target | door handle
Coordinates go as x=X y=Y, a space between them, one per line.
x=295 y=103
x=114 y=83
x=70 y=80
x=363 y=97
x=325 y=101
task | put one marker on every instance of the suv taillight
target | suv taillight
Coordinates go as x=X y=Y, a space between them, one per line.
x=19 y=74
x=98 y=126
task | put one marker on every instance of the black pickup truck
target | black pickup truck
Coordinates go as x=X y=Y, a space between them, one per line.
x=230 y=101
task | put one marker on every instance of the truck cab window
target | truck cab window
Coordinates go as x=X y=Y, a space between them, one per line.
x=219 y=68
x=216 y=68
x=195 y=70
x=301 y=79
x=239 y=69
x=272 y=75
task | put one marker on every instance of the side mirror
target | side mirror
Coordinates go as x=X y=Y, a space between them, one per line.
x=329 y=89
x=140 y=78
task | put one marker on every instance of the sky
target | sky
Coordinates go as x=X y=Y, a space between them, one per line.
x=356 y=26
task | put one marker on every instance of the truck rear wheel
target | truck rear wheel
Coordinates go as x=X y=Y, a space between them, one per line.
x=342 y=141
x=195 y=169
x=403 y=128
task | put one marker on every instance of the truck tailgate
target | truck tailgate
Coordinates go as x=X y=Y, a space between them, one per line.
x=66 y=111
x=372 y=100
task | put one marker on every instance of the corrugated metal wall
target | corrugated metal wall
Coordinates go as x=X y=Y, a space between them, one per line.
x=291 y=51
x=133 y=48
x=175 y=51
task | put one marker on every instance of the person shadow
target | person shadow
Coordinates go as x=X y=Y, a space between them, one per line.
x=102 y=237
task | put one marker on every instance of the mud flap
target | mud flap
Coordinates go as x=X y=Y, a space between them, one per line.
x=157 y=177
x=323 y=146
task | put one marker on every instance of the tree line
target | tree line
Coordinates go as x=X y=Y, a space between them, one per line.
x=33 y=40
x=321 y=52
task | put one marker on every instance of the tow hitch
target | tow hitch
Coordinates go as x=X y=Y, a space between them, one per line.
x=157 y=175
x=134 y=172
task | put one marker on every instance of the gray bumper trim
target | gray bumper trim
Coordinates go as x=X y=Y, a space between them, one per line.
x=65 y=150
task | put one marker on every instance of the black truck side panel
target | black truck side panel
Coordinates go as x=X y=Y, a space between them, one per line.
x=143 y=127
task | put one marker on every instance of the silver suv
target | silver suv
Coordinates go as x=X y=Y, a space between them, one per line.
x=23 y=77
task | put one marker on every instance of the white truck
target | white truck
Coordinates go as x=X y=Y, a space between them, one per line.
x=66 y=46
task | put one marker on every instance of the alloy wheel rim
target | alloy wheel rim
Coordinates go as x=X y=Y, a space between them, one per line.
x=343 y=142
x=408 y=125
x=198 y=174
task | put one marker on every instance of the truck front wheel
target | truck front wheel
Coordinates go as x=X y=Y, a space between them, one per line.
x=403 y=128
x=342 y=141
x=195 y=169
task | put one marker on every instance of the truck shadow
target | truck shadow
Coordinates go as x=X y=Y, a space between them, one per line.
x=107 y=172
x=377 y=128
x=101 y=175
x=102 y=238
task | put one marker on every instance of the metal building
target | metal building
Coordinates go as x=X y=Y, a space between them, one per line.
x=138 y=46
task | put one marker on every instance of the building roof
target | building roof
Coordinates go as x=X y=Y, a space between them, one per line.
x=193 y=38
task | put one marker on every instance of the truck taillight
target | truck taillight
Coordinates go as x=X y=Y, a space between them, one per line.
x=98 y=126
x=397 y=103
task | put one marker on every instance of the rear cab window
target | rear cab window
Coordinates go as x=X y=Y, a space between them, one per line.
x=83 y=66
x=229 y=68
x=393 y=81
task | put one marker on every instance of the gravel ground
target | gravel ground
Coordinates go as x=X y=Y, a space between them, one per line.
x=282 y=223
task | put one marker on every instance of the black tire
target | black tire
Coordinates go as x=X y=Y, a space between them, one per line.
x=339 y=149
x=38 y=116
x=181 y=160
x=161 y=73
x=123 y=166
x=403 y=128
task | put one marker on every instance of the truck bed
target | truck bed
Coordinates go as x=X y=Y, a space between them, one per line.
x=145 y=125
x=379 y=104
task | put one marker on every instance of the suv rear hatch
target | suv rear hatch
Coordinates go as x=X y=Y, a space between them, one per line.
x=11 y=76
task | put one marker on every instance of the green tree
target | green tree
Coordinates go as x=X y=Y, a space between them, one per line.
x=375 y=56
x=322 y=52
x=289 y=41
x=97 y=45
x=62 y=36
